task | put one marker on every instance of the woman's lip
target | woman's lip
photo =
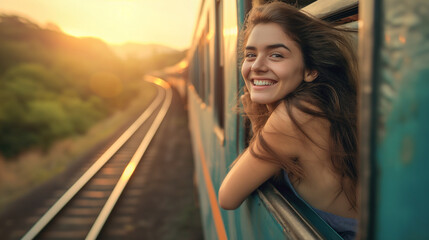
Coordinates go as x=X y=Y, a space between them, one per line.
x=262 y=78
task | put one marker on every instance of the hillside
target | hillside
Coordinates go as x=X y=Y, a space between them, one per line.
x=53 y=85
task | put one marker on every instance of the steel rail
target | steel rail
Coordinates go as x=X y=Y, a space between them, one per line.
x=129 y=170
x=78 y=185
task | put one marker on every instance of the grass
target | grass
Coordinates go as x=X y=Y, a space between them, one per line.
x=34 y=167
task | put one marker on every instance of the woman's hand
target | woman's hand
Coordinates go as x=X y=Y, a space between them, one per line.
x=257 y=113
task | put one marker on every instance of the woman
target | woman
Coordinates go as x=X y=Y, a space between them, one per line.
x=300 y=96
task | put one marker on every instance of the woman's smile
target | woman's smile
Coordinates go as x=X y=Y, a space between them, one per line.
x=260 y=83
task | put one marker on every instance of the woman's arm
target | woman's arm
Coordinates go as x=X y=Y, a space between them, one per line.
x=245 y=176
x=249 y=172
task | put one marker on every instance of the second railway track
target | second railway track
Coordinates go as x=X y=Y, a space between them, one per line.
x=82 y=210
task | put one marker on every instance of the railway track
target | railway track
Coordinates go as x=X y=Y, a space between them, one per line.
x=83 y=209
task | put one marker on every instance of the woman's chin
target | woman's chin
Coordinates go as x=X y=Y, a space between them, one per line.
x=261 y=100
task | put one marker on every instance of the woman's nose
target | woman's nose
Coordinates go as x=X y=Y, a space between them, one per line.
x=259 y=65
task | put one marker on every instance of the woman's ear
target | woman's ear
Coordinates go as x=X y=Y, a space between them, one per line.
x=310 y=75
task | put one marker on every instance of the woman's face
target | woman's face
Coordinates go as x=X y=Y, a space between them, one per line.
x=273 y=64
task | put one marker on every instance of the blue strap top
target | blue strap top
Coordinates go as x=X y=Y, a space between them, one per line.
x=345 y=227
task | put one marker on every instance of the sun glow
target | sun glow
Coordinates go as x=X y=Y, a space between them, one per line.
x=168 y=22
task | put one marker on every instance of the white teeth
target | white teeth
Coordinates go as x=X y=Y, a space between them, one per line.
x=262 y=83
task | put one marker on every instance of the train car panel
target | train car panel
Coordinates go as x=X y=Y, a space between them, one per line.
x=219 y=136
x=202 y=111
x=393 y=93
x=394 y=113
x=238 y=226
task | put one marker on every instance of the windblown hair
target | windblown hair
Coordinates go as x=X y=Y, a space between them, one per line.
x=329 y=51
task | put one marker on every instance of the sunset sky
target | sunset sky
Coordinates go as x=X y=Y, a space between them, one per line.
x=167 y=22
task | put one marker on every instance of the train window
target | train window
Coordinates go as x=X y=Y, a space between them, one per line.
x=202 y=69
x=290 y=212
x=207 y=60
x=195 y=70
x=219 y=94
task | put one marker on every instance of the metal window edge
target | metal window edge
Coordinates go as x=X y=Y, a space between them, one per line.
x=293 y=223
x=325 y=8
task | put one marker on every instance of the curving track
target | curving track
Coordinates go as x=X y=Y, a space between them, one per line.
x=83 y=209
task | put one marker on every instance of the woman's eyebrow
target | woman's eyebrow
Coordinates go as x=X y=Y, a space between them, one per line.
x=272 y=46
x=278 y=45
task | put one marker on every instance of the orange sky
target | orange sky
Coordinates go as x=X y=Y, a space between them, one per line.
x=167 y=22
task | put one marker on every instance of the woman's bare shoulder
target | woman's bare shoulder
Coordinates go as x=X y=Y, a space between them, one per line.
x=281 y=133
x=286 y=117
x=285 y=122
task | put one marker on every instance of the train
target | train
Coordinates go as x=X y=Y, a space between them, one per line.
x=392 y=42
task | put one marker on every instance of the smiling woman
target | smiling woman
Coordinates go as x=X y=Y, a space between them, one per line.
x=300 y=98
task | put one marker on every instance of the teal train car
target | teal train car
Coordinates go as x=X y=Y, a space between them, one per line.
x=393 y=49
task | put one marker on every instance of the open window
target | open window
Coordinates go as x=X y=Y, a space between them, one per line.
x=298 y=219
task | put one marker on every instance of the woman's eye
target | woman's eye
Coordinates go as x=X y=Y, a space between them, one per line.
x=250 y=55
x=276 y=55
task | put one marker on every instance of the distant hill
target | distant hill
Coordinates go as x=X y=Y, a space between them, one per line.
x=53 y=85
x=141 y=51
x=22 y=41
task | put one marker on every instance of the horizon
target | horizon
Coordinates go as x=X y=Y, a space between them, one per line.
x=121 y=22
x=54 y=27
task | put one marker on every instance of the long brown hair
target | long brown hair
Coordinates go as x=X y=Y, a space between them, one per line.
x=329 y=51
